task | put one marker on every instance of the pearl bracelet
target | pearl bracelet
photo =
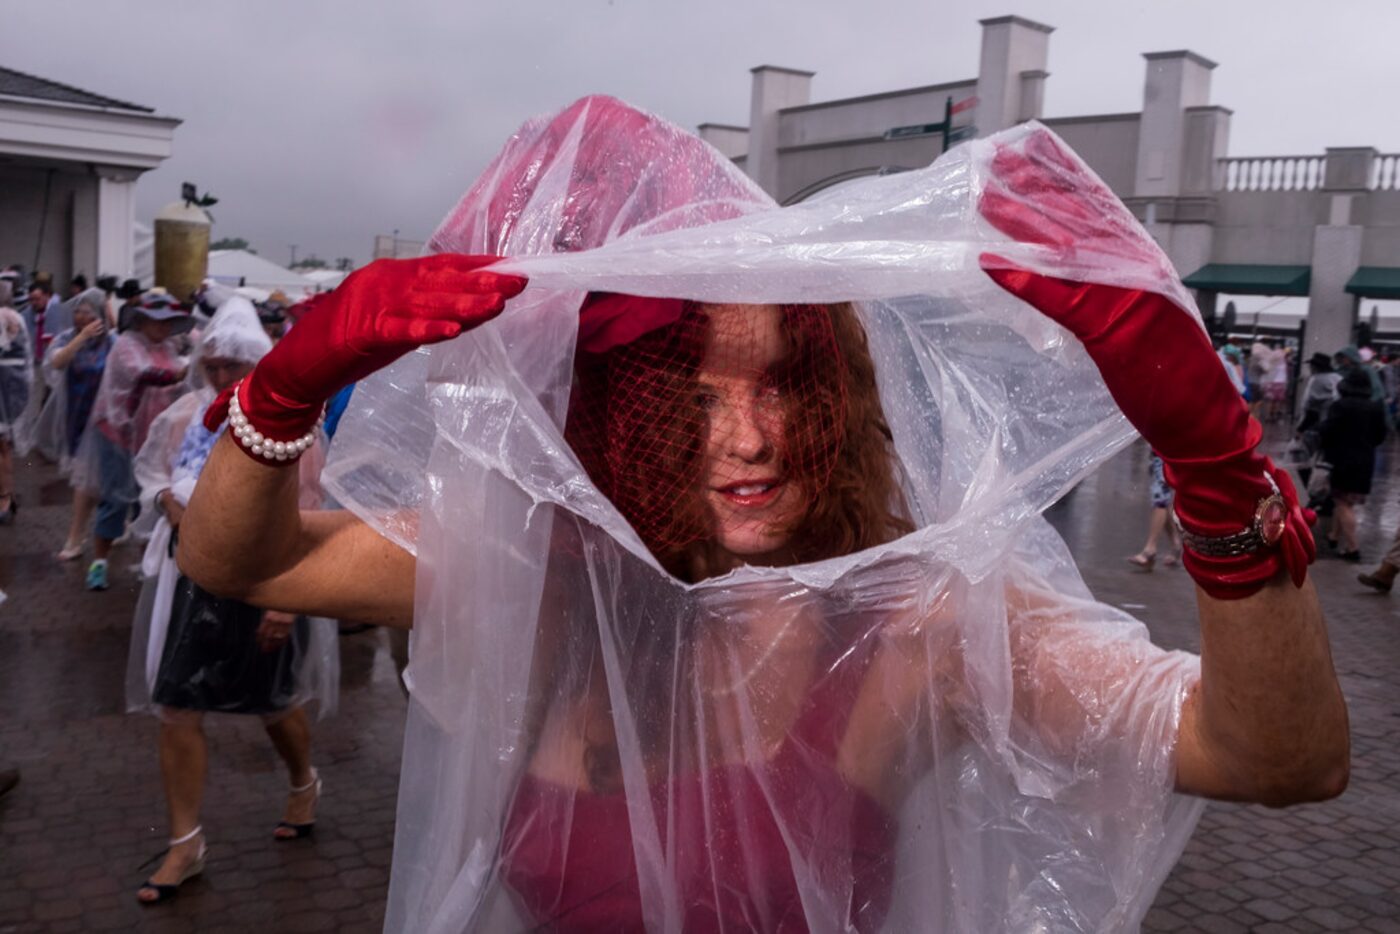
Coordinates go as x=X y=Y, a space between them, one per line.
x=263 y=447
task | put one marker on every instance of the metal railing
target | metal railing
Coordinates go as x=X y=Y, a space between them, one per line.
x=1270 y=173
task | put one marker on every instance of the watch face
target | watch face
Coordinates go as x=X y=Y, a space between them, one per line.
x=1272 y=518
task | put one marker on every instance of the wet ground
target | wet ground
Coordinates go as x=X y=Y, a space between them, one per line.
x=89 y=812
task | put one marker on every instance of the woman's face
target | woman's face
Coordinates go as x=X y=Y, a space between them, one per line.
x=222 y=372
x=752 y=501
x=83 y=315
x=155 y=331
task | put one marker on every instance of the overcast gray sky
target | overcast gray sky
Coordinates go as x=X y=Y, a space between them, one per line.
x=323 y=122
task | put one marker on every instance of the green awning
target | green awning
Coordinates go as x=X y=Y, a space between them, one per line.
x=1250 y=279
x=1375 y=282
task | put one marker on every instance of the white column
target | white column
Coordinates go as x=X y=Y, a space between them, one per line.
x=1015 y=52
x=1331 y=309
x=1175 y=81
x=116 y=218
x=773 y=89
x=1031 y=105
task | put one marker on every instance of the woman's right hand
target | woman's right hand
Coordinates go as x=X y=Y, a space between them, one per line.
x=172 y=508
x=377 y=315
x=92 y=332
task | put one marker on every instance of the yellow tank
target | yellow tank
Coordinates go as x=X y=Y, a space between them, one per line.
x=182 y=249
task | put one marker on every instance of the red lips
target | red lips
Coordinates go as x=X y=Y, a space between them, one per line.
x=752 y=494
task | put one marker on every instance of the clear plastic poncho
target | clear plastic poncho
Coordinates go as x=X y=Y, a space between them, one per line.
x=945 y=732
x=174 y=453
x=136 y=387
x=58 y=429
x=16 y=372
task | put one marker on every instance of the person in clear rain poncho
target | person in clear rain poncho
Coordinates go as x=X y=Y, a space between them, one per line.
x=192 y=655
x=144 y=372
x=16 y=374
x=72 y=371
x=732 y=605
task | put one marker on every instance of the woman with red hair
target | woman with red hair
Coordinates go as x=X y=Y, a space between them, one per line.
x=732 y=607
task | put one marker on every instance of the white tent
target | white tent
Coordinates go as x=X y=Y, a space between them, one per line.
x=326 y=279
x=1288 y=312
x=241 y=268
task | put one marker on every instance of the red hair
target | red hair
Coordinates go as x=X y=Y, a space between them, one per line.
x=634 y=424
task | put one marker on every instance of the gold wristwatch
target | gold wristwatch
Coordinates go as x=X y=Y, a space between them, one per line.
x=1270 y=519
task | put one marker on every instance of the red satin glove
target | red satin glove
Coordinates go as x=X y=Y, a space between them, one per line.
x=378 y=314
x=159 y=376
x=1155 y=359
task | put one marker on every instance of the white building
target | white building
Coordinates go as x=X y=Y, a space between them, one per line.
x=69 y=161
x=1325 y=226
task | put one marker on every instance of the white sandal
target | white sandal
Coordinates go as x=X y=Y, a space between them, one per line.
x=71 y=552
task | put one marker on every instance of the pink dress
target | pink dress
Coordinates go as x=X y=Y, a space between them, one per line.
x=731 y=832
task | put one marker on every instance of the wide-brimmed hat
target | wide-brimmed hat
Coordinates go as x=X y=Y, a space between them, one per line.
x=273 y=309
x=129 y=289
x=159 y=305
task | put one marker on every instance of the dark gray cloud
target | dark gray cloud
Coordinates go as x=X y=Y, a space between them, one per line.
x=323 y=122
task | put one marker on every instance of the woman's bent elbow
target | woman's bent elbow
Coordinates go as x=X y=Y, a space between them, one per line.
x=1321 y=780
x=209 y=573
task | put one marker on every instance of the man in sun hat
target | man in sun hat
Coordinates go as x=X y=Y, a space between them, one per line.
x=130 y=294
x=272 y=312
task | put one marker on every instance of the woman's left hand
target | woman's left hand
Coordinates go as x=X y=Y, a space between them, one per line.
x=1155 y=358
x=274 y=630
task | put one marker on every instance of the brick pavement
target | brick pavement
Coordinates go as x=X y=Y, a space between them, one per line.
x=89 y=809
x=1322 y=867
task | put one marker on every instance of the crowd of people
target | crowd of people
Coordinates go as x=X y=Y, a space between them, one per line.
x=1345 y=410
x=675 y=696
x=110 y=384
x=82 y=378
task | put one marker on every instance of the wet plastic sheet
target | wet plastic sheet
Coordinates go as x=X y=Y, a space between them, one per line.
x=945 y=732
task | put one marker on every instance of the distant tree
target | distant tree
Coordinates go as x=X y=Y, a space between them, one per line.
x=231 y=243
x=345 y=264
x=310 y=262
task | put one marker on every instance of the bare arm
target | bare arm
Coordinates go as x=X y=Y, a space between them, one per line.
x=243 y=536
x=65 y=354
x=1267 y=722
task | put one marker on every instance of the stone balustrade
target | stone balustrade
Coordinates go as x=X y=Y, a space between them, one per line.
x=1377 y=171
x=1385 y=172
x=1270 y=173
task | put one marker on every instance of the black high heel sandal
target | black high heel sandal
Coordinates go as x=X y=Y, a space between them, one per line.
x=299 y=831
x=166 y=892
